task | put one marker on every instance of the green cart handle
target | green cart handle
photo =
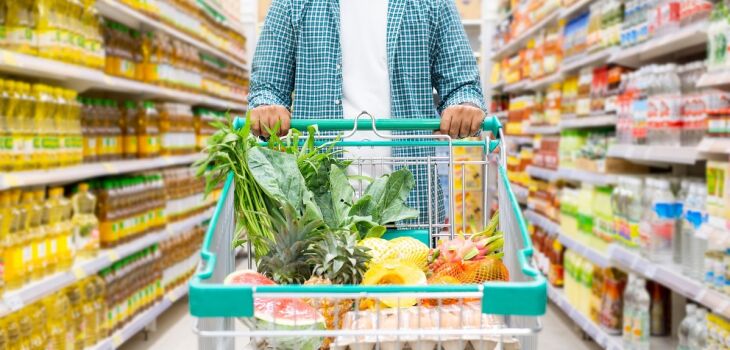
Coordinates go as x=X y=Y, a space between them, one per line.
x=490 y=124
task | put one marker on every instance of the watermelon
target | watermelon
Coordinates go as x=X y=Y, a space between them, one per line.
x=280 y=314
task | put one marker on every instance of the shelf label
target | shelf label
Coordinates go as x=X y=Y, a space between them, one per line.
x=113 y=255
x=109 y=168
x=117 y=340
x=79 y=272
x=11 y=181
x=14 y=302
x=11 y=59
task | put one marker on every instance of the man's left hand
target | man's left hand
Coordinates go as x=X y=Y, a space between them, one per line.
x=461 y=121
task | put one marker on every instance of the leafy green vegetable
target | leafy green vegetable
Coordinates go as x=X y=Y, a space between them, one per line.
x=335 y=203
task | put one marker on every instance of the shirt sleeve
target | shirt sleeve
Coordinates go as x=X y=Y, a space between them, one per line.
x=272 y=70
x=454 y=71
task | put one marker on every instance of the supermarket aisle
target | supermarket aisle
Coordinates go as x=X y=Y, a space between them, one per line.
x=174 y=331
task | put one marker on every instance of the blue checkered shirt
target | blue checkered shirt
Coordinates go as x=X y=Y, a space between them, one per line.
x=299 y=52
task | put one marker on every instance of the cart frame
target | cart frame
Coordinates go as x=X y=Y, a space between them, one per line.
x=519 y=302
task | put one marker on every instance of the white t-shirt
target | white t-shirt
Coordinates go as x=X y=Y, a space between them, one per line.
x=365 y=76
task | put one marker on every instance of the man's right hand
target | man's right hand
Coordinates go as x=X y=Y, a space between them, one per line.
x=264 y=118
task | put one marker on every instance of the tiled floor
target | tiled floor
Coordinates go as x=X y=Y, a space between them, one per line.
x=174 y=332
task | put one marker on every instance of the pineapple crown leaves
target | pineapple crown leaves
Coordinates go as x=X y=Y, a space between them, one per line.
x=338 y=258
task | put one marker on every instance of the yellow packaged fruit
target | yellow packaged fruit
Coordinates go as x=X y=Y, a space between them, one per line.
x=378 y=247
x=408 y=250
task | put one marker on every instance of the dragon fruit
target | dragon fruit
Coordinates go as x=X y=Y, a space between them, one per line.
x=460 y=250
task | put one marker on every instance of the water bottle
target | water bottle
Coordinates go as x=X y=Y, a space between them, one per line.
x=698 y=331
x=663 y=218
x=685 y=327
x=628 y=313
x=642 y=303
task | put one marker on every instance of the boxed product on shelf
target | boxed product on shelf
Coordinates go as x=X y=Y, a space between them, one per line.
x=544 y=198
x=545 y=154
x=179 y=257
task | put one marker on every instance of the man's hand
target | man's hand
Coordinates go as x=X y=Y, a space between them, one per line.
x=461 y=121
x=264 y=118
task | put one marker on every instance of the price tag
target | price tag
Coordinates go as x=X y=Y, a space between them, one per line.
x=109 y=168
x=11 y=59
x=11 y=181
x=14 y=302
x=117 y=340
x=79 y=273
x=113 y=255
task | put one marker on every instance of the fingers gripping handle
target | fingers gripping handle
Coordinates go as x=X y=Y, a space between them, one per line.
x=490 y=124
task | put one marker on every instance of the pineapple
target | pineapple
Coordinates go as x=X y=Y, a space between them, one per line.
x=286 y=262
x=337 y=259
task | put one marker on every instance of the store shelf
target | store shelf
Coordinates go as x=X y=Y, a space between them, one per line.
x=519 y=139
x=515 y=87
x=590 y=177
x=232 y=20
x=543 y=173
x=538 y=219
x=520 y=41
x=90 y=170
x=576 y=8
x=588 y=122
x=142 y=320
x=82 y=79
x=587 y=59
x=542 y=129
x=693 y=35
x=714 y=79
x=14 y=300
x=605 y=340
x=656 y=154
x=521 y=192
x=544 y=82
x=124 y=14
x=715 y=145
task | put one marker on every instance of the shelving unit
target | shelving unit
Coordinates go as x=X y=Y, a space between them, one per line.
x=686 y=38
x=588 y=122
x=82 y=79
x=89 y=170
x=656 y=154
x=14 y=300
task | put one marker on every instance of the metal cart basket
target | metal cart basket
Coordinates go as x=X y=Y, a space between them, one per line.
x=493 y=315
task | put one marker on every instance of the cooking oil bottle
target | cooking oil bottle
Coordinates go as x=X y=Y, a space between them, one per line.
x=19 y=26
x=66 y=249
x=6 y=145
x=60 y=326
x=40 y=242
x=14 y=269
x=33 y=221
x=48 y=222
x=86 y=225
x=26 y=328
x=77 y=315
x=25 y=208
x=5 y=221
x=71 y=112
x=91 y=322
x=13 y=329
x=14 y=125
x=100 y=307
x=27 y=103
x=4 y=334
x=39 y=334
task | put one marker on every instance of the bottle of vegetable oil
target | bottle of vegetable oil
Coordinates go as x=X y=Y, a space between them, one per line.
x=4 y=334
x=5 y=221
x=61 y=329
x=14 y=125
x=26 y=235
x=33 y=220
x=76 y=315
x=26 y=328
x=72 y=115
x=6 y=145
x=39 y=336
x=100 y=307
x=20 y=26
x=25 y=110
x=66 y=249
x=40 y=242
x=91 y=325
x=14 y=269
x=50 y=233
x=13 y=329
x=86 y=225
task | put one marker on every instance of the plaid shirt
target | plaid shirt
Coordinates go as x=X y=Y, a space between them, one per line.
x=299 y=52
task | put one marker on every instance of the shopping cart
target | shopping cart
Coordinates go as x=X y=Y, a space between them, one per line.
x=501 y=315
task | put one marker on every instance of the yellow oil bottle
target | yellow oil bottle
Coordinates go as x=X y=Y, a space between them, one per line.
x=12 y=325
x=4 y=228
x=14 y=125
x=76 y=315
x=91 y=325
x=72 y=112
x=6 y=144
x=14 y=269
x=39 y=335
x=60 y=330
x=19 y=26
x=49 y=222
x=40 y=236
x=86 y=225
x=27 y=103
x=100 y=308
x=4 y=334
x=66 y=250
x=26 y=328
x=32 y=222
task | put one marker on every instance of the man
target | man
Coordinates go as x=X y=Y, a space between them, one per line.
x=341 y=57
